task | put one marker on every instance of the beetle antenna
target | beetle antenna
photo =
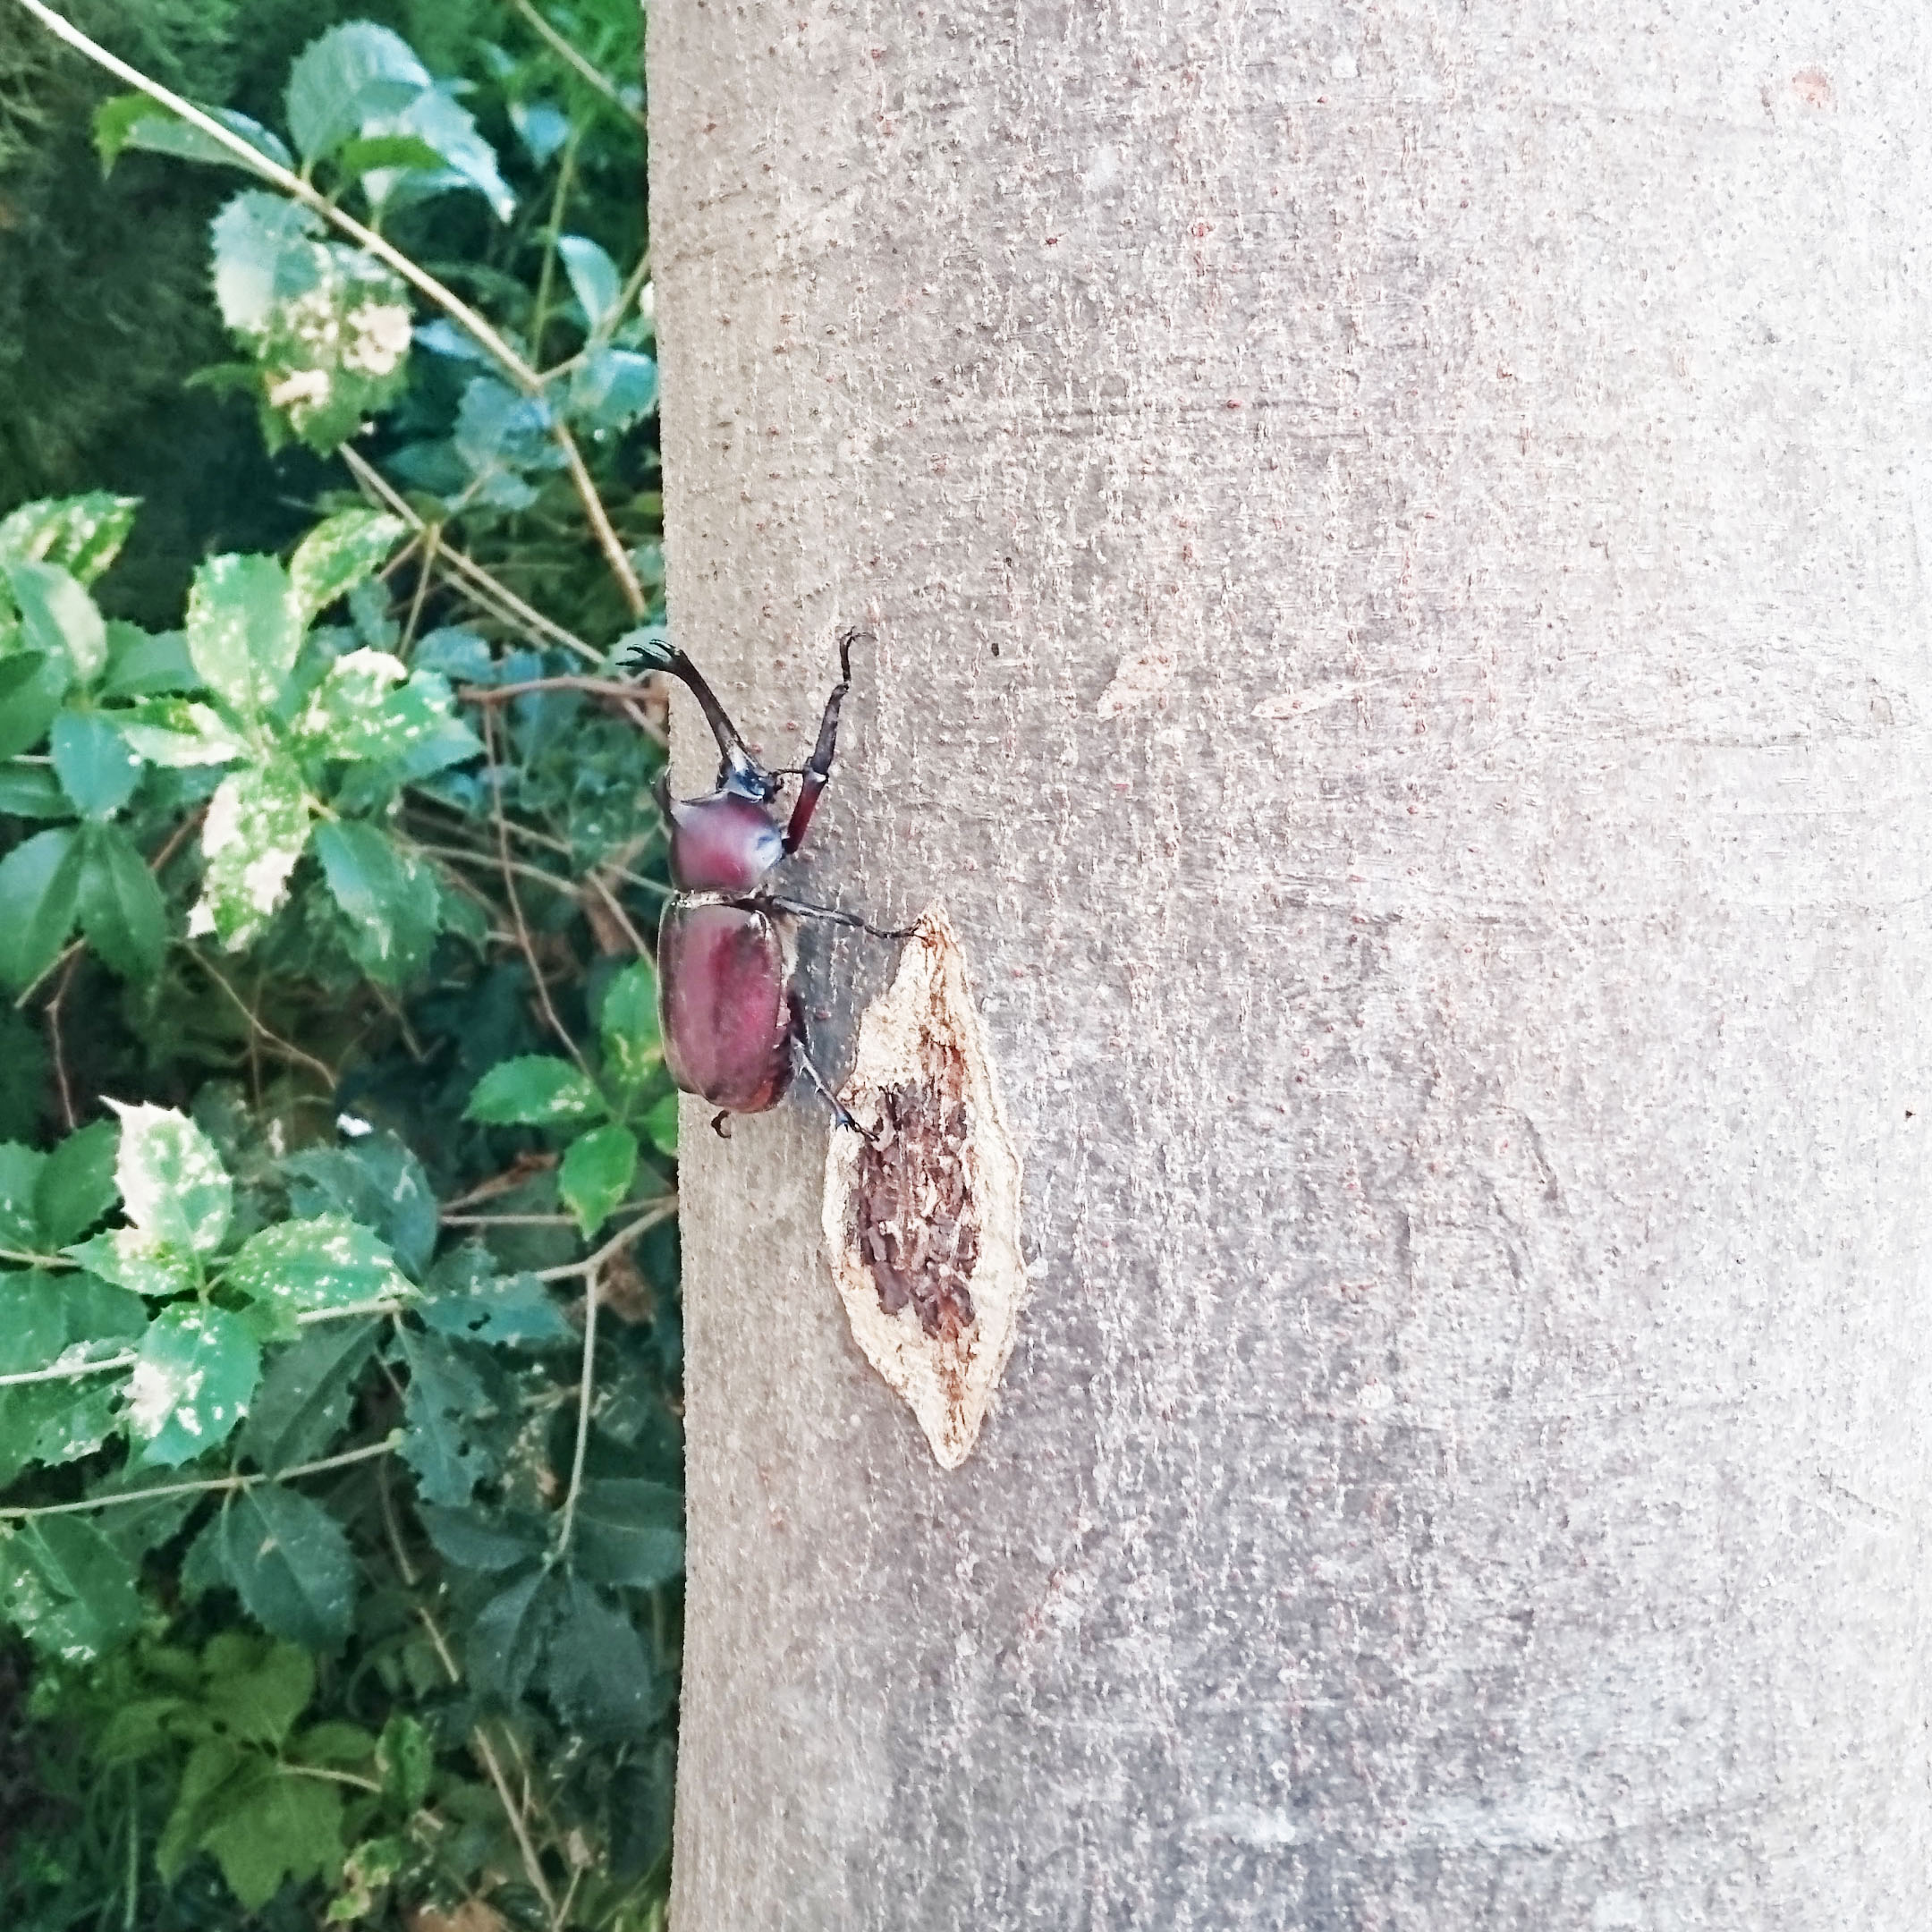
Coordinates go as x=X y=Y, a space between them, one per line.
x=737 y=768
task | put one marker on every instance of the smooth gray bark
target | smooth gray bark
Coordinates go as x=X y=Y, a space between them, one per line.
x=1398 y=543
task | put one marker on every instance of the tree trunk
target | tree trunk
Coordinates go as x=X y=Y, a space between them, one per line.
x=1395 y=543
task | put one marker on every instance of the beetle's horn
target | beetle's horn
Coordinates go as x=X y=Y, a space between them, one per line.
x=652 y=654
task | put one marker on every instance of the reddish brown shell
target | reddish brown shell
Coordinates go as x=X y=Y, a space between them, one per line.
x=723 y=977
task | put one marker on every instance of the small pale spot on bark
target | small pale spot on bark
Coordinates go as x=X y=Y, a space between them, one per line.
x=1136 y=680
x=923 y=1221
x=1812 y=86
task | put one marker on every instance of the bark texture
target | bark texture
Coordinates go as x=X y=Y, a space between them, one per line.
x=1397 y=537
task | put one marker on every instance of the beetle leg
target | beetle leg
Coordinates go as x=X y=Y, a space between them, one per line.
x=817 y=769
x=721 y=1124
x=841 y=1114
x=798 y=909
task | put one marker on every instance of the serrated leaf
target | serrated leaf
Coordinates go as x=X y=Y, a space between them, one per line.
x=257 y=829
x=58 y=617
x=272 y=1826
x=375 y=1180
x=506 y=1638
x=135 y=121
x=598 y=1673
x=343 y=80
x=259 y=242
x=444 y=126
x=65 y=1321
x=303 y=1401
x=593 y=280
x=357 y=711
x=81 y=534
x=598 y=1170
x=245 y=630
x=460 y=1416
x=24 y=1071
x=139 y=1263
x=172 y=1179
x=613 y=389
x=209 y=1775
x=289 y=1561
x=122 y=915
x=144 y=663
x=95 y=766
x=334 y=1743
x=20 y=1168
x=193 y=1375
x=179 y=734
x=39 y=896
x=405 y=1761
x=628 y=1027
x=473 y=1540
x=338 y=554
x=630 y=1532
x=32 y=792
x=32 y=684
x=468 y=1300
x=256 y=1689
x=389 y=898
x=76 y=1187
x=385 y=151
x=535 y=1091
x=66 y=1589
x=327 y=1263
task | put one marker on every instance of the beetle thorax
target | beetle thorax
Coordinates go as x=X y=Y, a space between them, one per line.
x=723 y=842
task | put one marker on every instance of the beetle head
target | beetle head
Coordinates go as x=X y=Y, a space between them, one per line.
x=739 y=773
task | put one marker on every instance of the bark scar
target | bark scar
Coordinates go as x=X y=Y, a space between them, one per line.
x=923 y=1221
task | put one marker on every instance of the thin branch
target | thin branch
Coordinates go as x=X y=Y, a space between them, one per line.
x=432 y=537
x=509 y=866
x=456 y=855
x=615 y=909
x=527 y=1168
x=53 y=1018
x=367 y=1452
x=26 y=1258
x=73 y=1373
x=509 y=1220
x=487 y=694
x=352 y=1779
x=591 y=75
x=553 y=234
x=608 y=541
x=268 y=1036
x=661 y=1210
x=586 y=1389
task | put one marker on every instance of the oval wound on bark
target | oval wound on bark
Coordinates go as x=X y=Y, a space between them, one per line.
x=923 y=1221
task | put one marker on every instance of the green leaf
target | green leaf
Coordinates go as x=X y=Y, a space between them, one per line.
x=289 y=1561
x=442 y=124
x=39 y=895
x=76 y=1186
x=628 y=1026
x=32 y=684
x=58 y=618
x=172 y=1179
x=327 y=1263
x=66 y=1589
x=389 y=897
x=380 y=151
x=245 y=630
x=32 y=792
x=507 y=1637
x=177 y=733
x=274 y=1826
x=405 y=1761
x=661 y=1124
x=127 y=121
x=470 y=1301
x=194 y=1373
x=597 y=1671
x=139 y=1263
x=210 y=1776
x=303 y=1401
x=613 y=389
x=343 y=79
x=472 y=1539
x=376 y=1180
x=142 y=663
x=122 y=914
x=81 y=534
x=256 y=1689
x=261 y=242
x=460 y=1416
x=630 y=1532
x=21 y=1169
x=93 y=763
x=24 y=1071
x=535 y=1091
x=597 y=1175
x=257 y=827
x=593 y=280
x=337 y=555
x=47 y=1319
x=356 y=712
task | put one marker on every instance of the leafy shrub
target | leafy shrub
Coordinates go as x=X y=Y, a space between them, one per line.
x=339 y=1346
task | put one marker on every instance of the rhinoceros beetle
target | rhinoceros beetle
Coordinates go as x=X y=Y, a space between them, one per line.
x=734 y=1024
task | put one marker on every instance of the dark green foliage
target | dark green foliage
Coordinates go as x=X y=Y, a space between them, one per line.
x=325 y=1612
